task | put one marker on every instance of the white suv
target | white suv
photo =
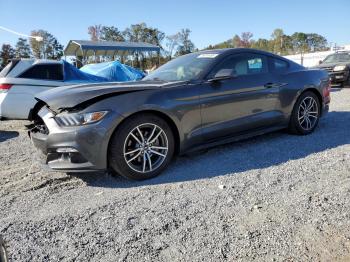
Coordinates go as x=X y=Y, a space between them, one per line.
x=21 y=80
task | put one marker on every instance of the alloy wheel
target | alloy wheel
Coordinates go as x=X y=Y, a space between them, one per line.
x=308 y=113
x=146 y=148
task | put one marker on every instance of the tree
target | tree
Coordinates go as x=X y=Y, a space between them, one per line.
x=236 y=41
x=300 y=42
x=142 y=33
x=95 y=32
x=280 y=43
x=261 y=44
x=172 y=42
x=186 y=46
x=109 y=33
x=7 y=53
x=246 y=39
x=316 y=42
x=22 y=48
x=49 y=48
x=277 y=43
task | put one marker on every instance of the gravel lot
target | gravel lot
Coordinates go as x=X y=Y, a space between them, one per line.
x=276 y=197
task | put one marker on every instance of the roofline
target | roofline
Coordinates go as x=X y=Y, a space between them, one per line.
x=136 y=46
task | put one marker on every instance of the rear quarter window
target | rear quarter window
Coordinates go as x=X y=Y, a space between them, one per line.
x=44 y=72
x=7 y=69
x=279 y=65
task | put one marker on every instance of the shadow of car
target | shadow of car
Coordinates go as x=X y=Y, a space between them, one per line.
x=256 y=153
x=5 y=135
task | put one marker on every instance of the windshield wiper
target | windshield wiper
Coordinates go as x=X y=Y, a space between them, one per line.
x=155 y=79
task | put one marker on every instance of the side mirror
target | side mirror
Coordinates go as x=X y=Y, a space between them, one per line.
x=320 y=62
x=223 y=74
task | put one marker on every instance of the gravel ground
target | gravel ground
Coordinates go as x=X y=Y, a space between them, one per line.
x=276 y=197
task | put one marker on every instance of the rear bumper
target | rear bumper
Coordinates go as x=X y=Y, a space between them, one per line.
x=73 y=149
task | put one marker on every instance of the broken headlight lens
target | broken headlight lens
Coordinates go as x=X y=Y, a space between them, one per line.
x=79 y=119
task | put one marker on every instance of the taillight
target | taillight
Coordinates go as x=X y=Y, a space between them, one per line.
x=327 y=92
x=5 y=87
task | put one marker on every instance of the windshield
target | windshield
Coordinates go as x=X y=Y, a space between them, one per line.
x=184 y=68
x=335 y=58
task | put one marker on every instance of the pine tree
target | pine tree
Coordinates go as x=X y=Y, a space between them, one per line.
x=22 y=48
x=49 y=48
x=7 y=53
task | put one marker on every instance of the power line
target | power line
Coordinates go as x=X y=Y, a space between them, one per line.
x=37 y=38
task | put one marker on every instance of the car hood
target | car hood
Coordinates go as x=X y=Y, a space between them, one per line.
x=326 y=65
x=67 y=97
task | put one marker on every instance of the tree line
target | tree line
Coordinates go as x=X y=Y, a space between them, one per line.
x=172 y=45
x=279 y=43
x=48 y=48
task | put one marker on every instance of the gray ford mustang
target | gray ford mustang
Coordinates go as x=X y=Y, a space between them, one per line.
x=192 y=102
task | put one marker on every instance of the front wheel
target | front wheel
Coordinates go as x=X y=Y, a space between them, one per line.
x=305 y=115
x=142 y=147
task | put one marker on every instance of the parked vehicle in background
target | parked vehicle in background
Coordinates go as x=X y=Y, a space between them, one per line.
x=194 y=101
x=22 y=79
x=338 y=67
x=3 y=252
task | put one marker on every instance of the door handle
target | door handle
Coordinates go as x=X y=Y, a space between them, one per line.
x=272 y=85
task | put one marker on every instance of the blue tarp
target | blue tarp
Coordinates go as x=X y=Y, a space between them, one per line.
x=73 y=74
x=113 y=71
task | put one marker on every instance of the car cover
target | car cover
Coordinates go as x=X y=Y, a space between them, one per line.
x=73 y=74
x=113 y=71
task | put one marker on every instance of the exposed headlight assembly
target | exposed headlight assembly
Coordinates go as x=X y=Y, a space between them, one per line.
x=79 y=119
x=339 y=68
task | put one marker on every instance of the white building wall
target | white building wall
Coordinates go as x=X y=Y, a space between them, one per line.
x=312 y=59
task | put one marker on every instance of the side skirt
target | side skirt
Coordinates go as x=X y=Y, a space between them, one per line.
x=235 y=138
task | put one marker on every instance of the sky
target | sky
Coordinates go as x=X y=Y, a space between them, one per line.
x=211 y=22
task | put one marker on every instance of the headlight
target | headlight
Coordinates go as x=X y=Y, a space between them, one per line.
x=339 y=68
x=79 y=119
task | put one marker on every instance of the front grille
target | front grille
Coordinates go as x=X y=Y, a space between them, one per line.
x=328 y=69
x=74 y=158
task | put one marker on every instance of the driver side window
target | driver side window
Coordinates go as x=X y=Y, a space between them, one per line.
x=243 y=64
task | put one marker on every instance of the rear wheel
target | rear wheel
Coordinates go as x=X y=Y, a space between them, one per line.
x=305 y=115
x=142 y=147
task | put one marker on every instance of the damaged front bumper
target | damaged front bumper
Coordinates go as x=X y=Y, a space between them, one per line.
x=72 y=149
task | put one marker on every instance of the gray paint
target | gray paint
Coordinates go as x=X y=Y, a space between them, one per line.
x=204 y=113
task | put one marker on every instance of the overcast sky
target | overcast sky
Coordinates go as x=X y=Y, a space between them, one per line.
x=210 y=21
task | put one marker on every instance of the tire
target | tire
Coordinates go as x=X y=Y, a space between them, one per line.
x=132 y=156
x=3 y=252
x=304 y=122
x=347 y=83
